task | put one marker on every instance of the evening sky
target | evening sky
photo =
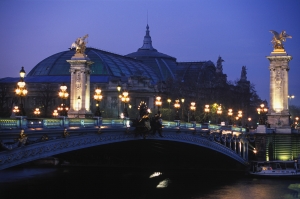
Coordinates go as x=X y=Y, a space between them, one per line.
x=189 y=30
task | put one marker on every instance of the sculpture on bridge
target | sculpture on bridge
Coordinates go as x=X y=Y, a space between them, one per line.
x=80 y=44
x=278 y=39
x=142 y=125
x=21 y=142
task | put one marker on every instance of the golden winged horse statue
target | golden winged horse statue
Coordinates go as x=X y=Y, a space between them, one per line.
x=278 y=39
x=80 y=44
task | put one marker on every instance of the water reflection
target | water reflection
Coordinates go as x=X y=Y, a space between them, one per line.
x=155 y=174
x=98 y=182
x=164 y=183
x=11 y=175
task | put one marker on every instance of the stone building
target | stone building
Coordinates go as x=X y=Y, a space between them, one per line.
x=144 y=74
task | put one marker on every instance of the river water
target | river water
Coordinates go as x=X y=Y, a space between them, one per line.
x=99 y=182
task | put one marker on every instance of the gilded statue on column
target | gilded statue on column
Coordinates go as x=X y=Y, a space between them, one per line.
x=80 y=44
x=279 y=38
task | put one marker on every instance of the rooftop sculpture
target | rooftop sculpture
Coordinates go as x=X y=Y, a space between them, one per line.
x=244 y=73
x=219 y=67
x=278 y=39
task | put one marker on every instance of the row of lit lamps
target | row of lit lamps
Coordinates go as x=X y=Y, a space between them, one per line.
x=22 y=92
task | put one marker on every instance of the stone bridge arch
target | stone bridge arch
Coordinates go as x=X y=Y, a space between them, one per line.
x=52 y=147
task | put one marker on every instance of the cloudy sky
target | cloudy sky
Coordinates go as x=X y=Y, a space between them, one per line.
x=190 y=30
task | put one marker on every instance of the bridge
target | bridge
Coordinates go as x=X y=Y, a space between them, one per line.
x=25 y=140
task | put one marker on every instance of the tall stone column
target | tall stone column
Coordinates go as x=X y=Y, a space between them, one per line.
x=80 y=86
x=278 y=115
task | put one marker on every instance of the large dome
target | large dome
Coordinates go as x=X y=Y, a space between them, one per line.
x=104 y=64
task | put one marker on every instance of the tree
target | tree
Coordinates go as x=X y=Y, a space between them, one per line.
x=46 y=95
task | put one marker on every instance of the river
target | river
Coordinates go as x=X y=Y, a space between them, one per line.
x=98 y=182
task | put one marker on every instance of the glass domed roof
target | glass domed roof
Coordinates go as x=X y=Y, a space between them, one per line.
x=104 y=64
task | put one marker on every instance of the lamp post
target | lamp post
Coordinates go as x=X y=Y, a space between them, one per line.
x=193 y=109
x=240 y=115
x=158 y=103
x=55 y=113
x=206 y=110
x=290 y=97
x=177 y=107
x=254 y=151
x=230 y=116
x=78 y=103
x=249 y=121
x=125 y=99
x=119 y=90
x=16 y=110
x=296 y=122
x=219 y=112
x=36 y=112
x=21 y=91
x=63 y=94
x=182 y=101
x=169 y=101
x=98 y=98
x=261 y=111
x=237 y=118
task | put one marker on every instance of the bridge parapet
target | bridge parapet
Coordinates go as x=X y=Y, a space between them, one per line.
x=64 y=122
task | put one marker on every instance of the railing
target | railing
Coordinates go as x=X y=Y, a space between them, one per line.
x=22 y=122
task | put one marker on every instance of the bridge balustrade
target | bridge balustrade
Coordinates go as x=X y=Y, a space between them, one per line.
x=21 y=122
x=8 y=123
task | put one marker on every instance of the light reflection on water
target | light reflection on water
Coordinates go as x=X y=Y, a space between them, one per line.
x=129 y=183
x=164 y=184
x=155 y=174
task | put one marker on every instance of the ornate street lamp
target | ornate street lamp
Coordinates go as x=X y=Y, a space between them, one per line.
x=169 y=101
x=193 y=109
x=63 y=94
x=249 y=120
x=240 y=115
x=98 y=98
x=158 y=103
x=16 y=110
x=230 y=115
x=177 y=107
x=261 y=111
x=36 y=112
x=21 y=91
x=182 y=101
x=219 y=112
x=119 y=90
x=296 y=122
x=254 y=151
x=125 y=99
x=237 y=119
x=206 y=110
x=290 y=97
x=55 y=113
